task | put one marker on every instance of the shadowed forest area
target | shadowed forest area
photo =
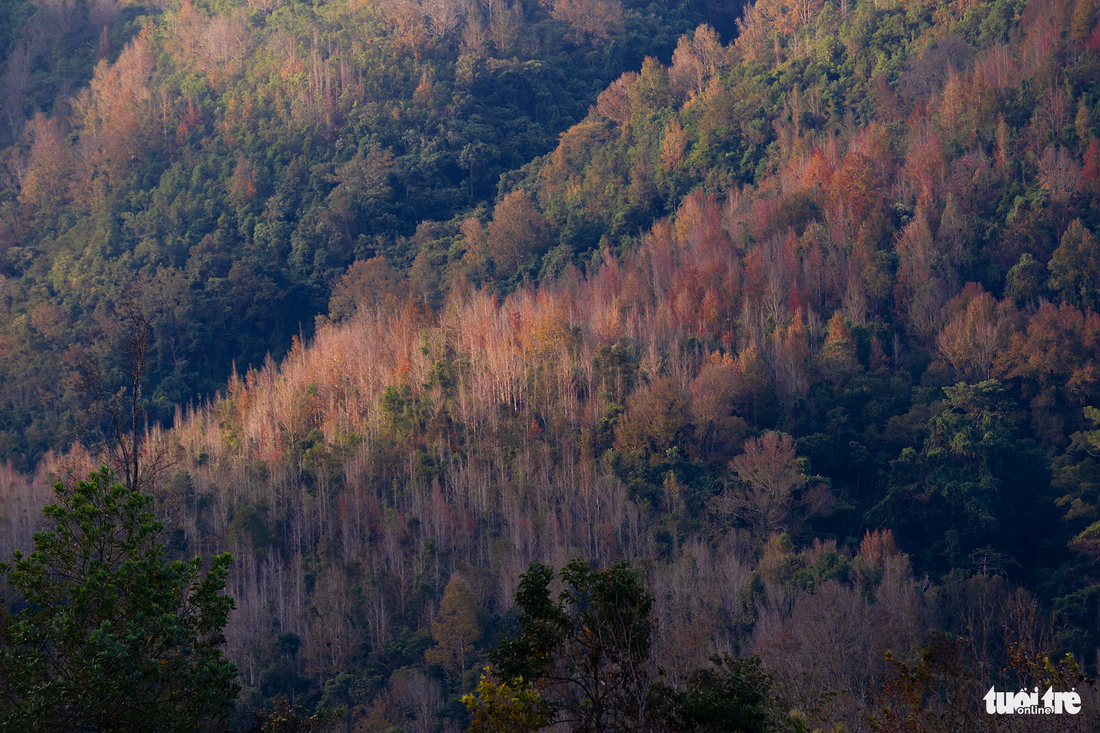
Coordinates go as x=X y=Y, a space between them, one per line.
x=792 y=306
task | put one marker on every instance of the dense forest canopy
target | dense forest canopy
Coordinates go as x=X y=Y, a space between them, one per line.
x=794 y=309
x=230 y=159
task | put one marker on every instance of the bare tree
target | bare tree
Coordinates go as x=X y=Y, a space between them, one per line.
x=118 y=416
x=103 y=13
x=444 y=16
x=15 y=84
x=773 y=491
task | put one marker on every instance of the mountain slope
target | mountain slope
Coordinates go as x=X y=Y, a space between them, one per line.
x=839 y=397
x=225 y=161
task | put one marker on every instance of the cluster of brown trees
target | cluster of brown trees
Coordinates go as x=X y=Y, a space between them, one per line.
x=125 y=111
x=910 y=294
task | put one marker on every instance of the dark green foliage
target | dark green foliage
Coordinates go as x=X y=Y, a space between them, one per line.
x=108 y=634
x=604 y=613
x=281 y=678
x=733 y=694
x=1080 y=613
x=285 y=718
x=974 y=483
x=616 y=370
x=589 y=648
x=247 y=523
x=1075 y=267
x=586 y=658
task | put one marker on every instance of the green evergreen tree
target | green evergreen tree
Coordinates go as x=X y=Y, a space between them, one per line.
x=589 y=651
x=583 y=662
x=109 y=635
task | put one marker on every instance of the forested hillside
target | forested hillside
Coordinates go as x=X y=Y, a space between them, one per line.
x=227 y=160
x=802 y=324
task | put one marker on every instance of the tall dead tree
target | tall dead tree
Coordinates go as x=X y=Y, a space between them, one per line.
x=117 y=416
